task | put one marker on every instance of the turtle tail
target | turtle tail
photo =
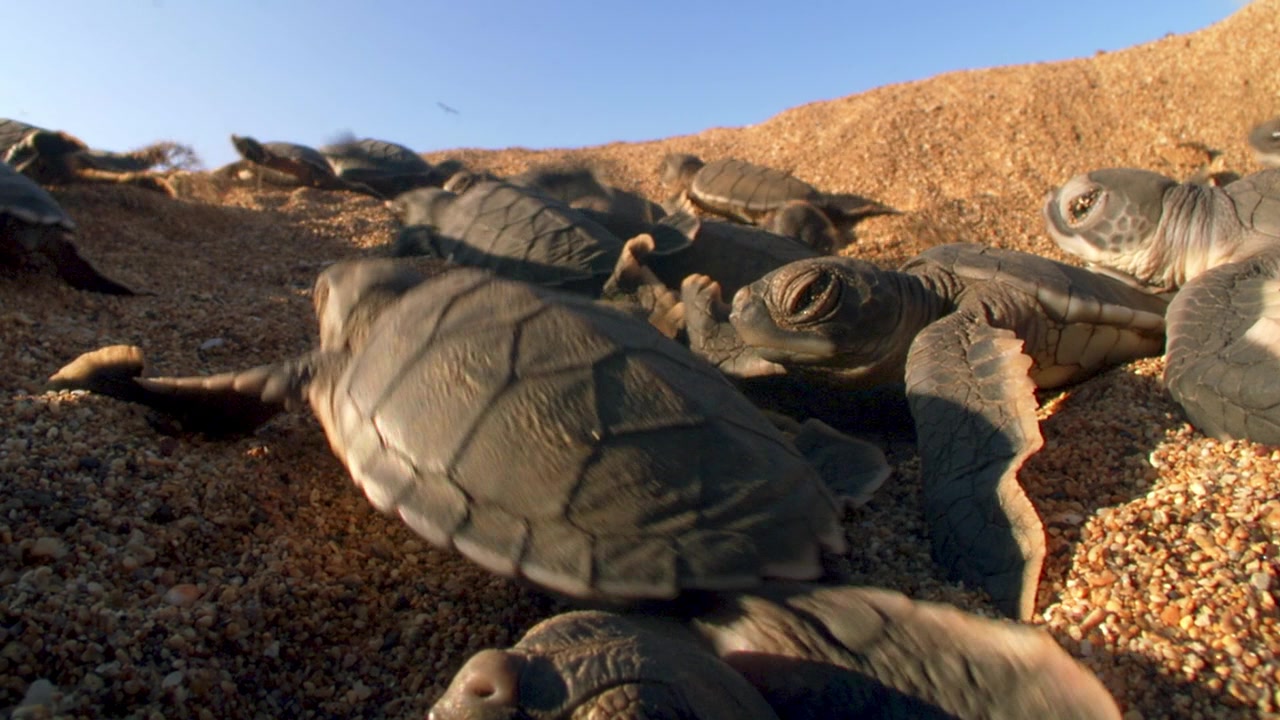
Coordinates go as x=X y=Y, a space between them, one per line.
x=224 y=404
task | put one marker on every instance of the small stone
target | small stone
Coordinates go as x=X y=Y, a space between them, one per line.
x=212 y=343
x=1092 y=620
x=1261 y=581
x=172 y=680
x=48 y=548
x=183 y=595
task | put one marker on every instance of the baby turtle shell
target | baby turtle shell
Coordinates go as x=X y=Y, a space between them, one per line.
x=784 y=651
x=31 y=221
x=641 y=471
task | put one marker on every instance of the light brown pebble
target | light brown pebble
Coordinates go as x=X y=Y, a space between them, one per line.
x=183 y=595
x=48 y=548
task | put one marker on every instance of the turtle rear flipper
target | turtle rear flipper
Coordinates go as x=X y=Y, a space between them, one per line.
x=675 y=231
x=852 y=468
x=806 y=224
x=1224 y=350
x=844 y=651
x=224 y=404
x=975 y=411
x=847 y=207
x=75 y=270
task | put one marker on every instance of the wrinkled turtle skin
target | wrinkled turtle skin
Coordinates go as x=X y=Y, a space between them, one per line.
x=31 y=221
x=973 y=331
x=386 y=167
x=642 y=472
x=785 y=651
x=1264 y=141
x=1219 y=249
x=759 y=195
x=57 y=158
x=307 y=166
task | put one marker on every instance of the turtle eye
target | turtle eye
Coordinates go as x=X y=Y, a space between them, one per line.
x=1081 y=205
x=813 y=296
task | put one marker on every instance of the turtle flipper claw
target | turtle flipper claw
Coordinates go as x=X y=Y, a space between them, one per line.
x=712 y=337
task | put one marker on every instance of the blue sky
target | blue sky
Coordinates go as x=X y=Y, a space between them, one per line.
x=555 y=73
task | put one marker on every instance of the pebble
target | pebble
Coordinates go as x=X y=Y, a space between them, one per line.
x=48 y=548
x=269 y=614
x=184 y=595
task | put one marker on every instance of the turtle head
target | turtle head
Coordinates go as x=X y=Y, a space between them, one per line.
x=594 y=664
x=835 y=311
x=1109 y=217
x=350 y=295
x=421 y=206
x=1264 y=140
x=680 y=168
x=249 y=148
x=51 y=144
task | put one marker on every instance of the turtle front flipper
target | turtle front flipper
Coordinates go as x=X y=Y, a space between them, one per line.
x=224 y=404
x=633 y=286
x=861 y=651
x=975 y=412
x=1223 y=351
x=144 y=180
x=75 y=270
x=712 y=337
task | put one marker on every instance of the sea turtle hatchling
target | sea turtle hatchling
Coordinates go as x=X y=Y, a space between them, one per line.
x=625 y=213
x=386 y=167
x=973 y=331
x=642 y=472
x=53 y=157
x=764 y=196
x=1219 y=248
x=31 y=221
x=783 y=651
x=522 y=234
x=1264 y=141
x=307 y=166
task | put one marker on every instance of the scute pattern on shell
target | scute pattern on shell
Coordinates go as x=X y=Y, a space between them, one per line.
x=746 y=191
x=517 y=234
x=642 y=471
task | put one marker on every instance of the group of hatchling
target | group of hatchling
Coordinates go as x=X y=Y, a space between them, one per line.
x=588 y=326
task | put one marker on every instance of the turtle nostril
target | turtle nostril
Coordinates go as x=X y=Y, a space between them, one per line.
x=481 y=688
x=486 y=687
x=491 y=677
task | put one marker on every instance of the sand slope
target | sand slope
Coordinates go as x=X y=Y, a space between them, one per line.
x=146 y=575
